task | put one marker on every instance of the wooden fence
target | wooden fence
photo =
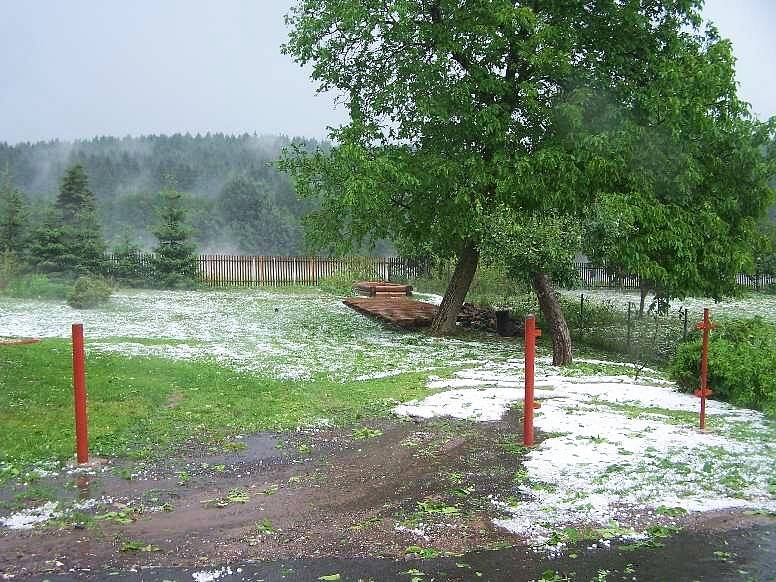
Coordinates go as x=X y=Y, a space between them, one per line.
x=592 y=276
x=242 y=270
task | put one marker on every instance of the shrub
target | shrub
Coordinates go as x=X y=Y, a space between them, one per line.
x=36 y=287
x=10 y=267
x=490 y=288
x=358 y=269
x=340 y=284
x=89 y=292
x=742 y=363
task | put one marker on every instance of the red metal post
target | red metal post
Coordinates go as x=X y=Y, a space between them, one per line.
x=79 y=391
x=704 y=391
x=531 y=333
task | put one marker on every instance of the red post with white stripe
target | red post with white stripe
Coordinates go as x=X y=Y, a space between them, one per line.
x=79 y=392
x=531 y=333
x=704 y=391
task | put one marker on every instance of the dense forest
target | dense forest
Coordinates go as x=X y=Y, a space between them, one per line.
x=236 y=199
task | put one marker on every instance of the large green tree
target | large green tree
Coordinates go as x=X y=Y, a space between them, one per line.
x=460 y=108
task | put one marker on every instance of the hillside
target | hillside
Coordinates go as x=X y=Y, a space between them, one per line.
x=238 y=201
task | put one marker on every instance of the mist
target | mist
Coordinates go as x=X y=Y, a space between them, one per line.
x=237 y=201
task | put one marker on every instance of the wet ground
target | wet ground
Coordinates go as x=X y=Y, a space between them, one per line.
x=363 y=502
x=741 y=554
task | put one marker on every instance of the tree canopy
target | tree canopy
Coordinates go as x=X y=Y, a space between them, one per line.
x=69 y=240
x=460 y=109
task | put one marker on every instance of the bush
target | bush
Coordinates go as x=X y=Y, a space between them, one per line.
x=742 y=363
x=36 y=287
x=89 y=292
x=358 y=269
x=10 y=266
x=341 y=284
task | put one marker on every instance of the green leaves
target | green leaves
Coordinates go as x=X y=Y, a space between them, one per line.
x=527 y=244
x=511 y=126
x=365 y=432
x=237 y=495
x=138 y=546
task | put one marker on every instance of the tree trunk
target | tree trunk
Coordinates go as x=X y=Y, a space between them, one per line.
x=553 y=314
x=446 y=315
x=644 y=288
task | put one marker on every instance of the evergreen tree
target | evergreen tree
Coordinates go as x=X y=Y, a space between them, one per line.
x=70 y=241
x=13 y=218
x=175 y=262
x=74 y=197
x=47 y=244
x=254 y=221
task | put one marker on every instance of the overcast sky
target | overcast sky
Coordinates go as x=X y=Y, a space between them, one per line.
x=79 y=68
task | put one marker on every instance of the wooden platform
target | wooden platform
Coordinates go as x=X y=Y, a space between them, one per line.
x=400 y=311
x=382 y=289
x=18 y=341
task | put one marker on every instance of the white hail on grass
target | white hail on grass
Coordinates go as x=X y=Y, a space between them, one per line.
x=274 y=334
x=615 y=448
x=756 y=304
x=30 y=517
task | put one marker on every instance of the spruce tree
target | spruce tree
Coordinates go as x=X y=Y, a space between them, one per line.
x=74 y=196
x=174 y=261
x=70 y=241
x=47 y=247
x=13 y=218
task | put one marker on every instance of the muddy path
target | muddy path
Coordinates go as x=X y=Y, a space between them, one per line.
x=320 y=492
x=386 y=490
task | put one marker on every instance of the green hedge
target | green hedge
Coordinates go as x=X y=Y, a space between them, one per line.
x=742 y=363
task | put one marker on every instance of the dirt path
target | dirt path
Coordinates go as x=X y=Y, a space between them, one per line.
x=372 y=491
x=322 y=493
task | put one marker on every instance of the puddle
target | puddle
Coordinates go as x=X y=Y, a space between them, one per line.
x=742 y=554
x=259 y=449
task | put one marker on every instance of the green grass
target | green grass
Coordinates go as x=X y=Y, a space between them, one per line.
x=37 y=287
x=139 y=407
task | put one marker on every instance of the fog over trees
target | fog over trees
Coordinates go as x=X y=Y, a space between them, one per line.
x=236 y=200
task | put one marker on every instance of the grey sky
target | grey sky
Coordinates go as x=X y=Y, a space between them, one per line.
x=80 y=68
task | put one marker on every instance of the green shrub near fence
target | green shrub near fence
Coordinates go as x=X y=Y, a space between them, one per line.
x=742 y=363
x=89 y=292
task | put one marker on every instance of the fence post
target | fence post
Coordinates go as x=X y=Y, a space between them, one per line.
x=531 y=333
x=581 y=311
x=79 y=393
x=704 y=391
x=628 y=339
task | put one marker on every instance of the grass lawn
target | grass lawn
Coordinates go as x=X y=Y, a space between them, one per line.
x=140 y=406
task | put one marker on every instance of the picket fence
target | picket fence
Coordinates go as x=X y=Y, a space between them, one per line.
x=244 y=270
x=593 y=276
